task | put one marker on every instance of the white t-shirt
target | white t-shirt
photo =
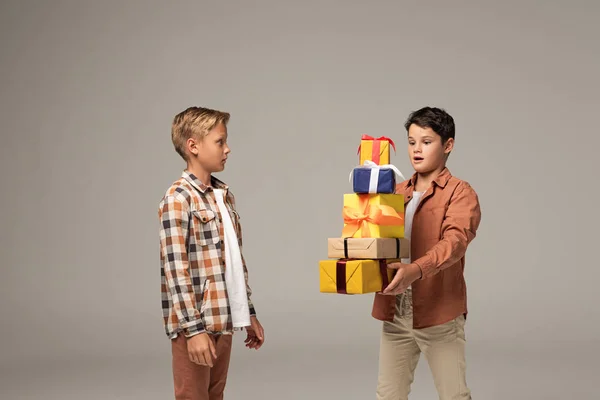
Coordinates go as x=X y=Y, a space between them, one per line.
x=409 y=213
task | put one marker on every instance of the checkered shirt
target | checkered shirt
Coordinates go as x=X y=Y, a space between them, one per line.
x=194 y=294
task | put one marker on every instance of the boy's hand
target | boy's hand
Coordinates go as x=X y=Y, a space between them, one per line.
x=256 y=334
x=406 y=274
x=201 y=349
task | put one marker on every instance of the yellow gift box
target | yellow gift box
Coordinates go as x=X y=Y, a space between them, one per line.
x=375 y=149
x=354 y=276
x=373 y=215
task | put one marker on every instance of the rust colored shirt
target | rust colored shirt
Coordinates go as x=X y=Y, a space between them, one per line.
x=444 y=224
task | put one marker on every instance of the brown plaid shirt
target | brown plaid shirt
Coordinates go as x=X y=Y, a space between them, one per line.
x=194 y=294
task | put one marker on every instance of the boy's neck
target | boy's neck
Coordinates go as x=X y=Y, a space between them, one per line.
x=202 y=175
x=425 y=180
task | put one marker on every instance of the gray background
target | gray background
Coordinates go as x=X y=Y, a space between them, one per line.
x=89 y=90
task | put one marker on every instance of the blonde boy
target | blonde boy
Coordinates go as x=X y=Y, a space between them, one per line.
x=204 y=280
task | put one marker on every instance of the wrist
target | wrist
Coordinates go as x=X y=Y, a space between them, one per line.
x=196 y=336
x=417 y=270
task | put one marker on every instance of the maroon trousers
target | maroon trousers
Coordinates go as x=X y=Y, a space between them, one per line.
x=197 y=382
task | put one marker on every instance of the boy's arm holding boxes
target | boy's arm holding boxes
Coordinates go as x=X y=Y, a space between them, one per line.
x=459 y=228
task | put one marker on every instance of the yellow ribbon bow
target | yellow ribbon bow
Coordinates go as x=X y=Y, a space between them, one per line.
x=359 y=218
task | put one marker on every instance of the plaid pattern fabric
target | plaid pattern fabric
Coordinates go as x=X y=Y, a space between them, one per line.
x=194 y=293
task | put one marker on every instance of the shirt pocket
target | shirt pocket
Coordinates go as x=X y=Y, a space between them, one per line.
x=207 y=232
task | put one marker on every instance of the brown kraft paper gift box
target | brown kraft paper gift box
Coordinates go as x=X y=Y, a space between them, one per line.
x=368 y=248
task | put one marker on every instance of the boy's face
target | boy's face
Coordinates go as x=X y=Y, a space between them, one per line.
x=425 y=149
x=211 y=151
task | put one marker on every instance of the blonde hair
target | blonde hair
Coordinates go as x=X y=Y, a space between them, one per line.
x=194 y=122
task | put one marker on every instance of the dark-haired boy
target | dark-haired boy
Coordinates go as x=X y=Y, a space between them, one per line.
x=425 y=306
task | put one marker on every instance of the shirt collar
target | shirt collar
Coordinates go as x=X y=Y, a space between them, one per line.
x=198 y=184
x=441 y=180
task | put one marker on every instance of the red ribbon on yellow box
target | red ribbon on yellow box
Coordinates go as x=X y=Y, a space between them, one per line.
x=375 y=152
x=359 y=218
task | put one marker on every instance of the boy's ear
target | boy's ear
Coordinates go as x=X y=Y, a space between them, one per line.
x=192 y=146
x=449 y=146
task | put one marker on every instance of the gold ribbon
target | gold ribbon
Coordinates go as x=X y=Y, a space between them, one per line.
x=359 y=218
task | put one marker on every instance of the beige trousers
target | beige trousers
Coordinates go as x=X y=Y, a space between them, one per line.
x=401 y=347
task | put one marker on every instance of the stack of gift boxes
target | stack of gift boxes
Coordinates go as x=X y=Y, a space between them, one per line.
x=373 y=232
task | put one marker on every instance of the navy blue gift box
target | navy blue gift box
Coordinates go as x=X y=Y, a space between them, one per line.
x=384 y=182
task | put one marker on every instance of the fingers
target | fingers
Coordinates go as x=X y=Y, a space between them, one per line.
x=207 y=357
x=393 y=284
x=204 y=359
x=395 y=292
x=256 y=335
x=396 y=288
x=261 y=337
x=192 y=357
x=389 y=289
x=395 y=265
x=261 y=333
x=202 y=350
x=250 y=334
x=251 y=340
x=212 y=349
x=198 y=358
x=255 y=344
x=259 y=340
x=401 y=288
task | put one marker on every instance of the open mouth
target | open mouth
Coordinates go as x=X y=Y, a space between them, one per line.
x=418 y=158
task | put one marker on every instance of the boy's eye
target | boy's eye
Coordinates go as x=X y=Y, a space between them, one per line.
x=427 y=142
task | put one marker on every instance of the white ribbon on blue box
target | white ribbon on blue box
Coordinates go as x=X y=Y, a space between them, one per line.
x=373 y=178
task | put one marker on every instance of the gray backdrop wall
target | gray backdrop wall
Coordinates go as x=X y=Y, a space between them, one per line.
x=89 y=90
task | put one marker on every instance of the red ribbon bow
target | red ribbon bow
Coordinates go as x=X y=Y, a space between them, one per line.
x=382 y=138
